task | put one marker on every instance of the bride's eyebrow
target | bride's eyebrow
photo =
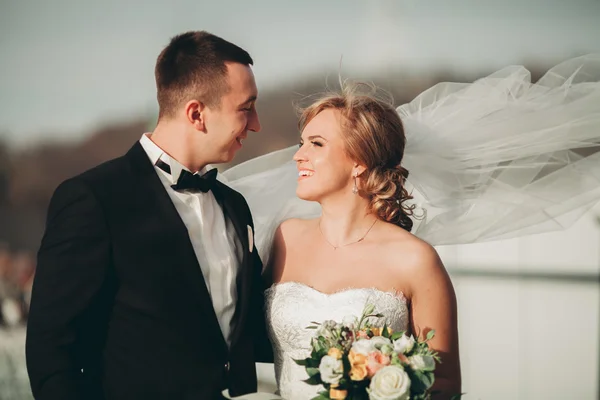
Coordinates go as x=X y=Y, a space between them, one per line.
x=313 y=137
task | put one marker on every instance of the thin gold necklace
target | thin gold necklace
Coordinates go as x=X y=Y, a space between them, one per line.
x=347 y=244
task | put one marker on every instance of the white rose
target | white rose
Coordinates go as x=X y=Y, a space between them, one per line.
x=421 y=363
x=363 y=346
x=380 y=341
x=387 y=349
x=331 y=370
x=390 y=383
x=404 y=344
x=350 y=321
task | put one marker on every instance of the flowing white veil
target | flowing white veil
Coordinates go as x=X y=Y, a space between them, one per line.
x=493 y=159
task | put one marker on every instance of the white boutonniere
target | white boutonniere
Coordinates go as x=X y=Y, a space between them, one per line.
x=250 y=239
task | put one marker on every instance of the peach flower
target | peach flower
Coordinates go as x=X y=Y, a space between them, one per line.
x=376 y=361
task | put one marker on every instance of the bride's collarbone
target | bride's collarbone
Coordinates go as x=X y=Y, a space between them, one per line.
x=323 y=253
x=363 y=265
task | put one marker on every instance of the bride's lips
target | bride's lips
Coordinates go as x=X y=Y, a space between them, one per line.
x=305 y=173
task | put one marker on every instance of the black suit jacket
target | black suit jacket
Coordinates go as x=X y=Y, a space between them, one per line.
x=119 y=307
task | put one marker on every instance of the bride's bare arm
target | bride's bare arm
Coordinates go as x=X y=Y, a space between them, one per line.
x=433 y=306
x=274 y=268
x=286 y=232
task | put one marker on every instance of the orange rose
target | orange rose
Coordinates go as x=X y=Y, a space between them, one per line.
x=357 y=358
x=335 y=353
x=337 y=394
x=358 y=363
x=376 y=331
x=358 y=372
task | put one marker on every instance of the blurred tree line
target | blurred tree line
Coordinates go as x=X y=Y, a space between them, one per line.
x=29 y=177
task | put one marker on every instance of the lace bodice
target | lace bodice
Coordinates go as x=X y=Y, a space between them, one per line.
x=291 y=307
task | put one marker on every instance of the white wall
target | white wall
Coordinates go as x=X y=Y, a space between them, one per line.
x=530 y=339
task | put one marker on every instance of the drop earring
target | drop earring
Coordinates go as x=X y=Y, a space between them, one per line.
x=355 y=188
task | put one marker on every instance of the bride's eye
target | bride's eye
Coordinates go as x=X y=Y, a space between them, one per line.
x=318 y=144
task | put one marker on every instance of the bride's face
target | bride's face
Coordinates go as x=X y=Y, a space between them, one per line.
x=324 y=168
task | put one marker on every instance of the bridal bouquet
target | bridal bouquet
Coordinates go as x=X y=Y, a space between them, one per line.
x=357 y=360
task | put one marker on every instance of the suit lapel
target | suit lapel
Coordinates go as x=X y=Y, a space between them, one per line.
x=234 y=211
x=183 y=255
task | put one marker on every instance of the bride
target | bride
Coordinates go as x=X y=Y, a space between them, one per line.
x=494 y=159
x=360 y=249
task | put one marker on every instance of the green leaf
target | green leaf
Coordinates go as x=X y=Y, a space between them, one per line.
x=395 y=360
x=320 y=345
x=384 y=331
x=303 y=362
x=430 y=334
x=318 y=354
x=397 y=335
x=420 y=380
x=313 y=380
x=321 y=396
x=312 y=371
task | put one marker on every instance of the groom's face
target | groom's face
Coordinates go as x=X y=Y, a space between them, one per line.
x=228 y=124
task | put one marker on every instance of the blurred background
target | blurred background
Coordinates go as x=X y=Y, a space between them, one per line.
x=77 y=88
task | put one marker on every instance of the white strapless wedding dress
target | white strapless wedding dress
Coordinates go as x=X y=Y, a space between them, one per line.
x=292 y=306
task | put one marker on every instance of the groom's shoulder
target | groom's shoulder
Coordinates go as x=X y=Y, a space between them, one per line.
x=103 y=176
x=97 y=180
x=105 y=171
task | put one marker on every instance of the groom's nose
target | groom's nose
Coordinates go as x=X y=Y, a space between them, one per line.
x=253 y=122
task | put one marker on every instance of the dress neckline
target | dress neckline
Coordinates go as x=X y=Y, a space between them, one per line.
x=396 y=294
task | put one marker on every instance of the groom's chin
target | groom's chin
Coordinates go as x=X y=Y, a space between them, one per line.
x=228 y=156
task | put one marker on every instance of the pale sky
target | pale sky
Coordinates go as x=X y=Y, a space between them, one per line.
x=68 y=66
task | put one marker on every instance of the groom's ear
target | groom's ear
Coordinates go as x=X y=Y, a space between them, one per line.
x=194 y=111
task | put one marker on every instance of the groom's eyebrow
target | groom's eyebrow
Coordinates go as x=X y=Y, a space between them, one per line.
x=250 y=99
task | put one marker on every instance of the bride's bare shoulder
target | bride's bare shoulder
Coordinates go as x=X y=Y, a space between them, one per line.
x=409 y=252
x=290 y=232
x=295 y=227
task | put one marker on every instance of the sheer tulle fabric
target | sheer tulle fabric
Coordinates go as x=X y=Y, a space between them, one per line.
x=489 y=160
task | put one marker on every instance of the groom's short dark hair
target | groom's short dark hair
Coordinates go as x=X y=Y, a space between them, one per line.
x=192 y=66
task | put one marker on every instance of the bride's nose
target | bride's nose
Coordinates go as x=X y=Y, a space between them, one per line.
x=300 y=155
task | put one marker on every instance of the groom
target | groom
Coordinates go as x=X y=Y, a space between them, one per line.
x=148 y=284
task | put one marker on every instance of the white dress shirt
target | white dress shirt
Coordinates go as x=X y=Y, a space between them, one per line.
x=213 y=237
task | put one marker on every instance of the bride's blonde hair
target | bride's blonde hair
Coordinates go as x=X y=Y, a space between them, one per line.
x=373 y=136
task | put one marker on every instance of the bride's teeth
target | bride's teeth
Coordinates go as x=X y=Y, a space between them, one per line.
x=305 y=173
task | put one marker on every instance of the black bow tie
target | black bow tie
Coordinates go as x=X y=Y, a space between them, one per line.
x=189 y=181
